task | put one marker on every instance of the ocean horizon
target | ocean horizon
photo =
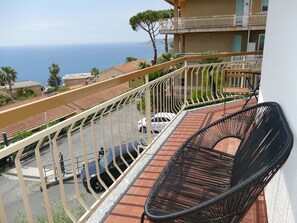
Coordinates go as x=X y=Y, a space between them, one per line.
x=32 y=62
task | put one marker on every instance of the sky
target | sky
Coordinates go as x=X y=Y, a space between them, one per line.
x=36 y=22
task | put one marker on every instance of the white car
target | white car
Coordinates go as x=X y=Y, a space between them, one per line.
x=158 y=121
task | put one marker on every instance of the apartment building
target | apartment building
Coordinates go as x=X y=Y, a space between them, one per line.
x=224 y=26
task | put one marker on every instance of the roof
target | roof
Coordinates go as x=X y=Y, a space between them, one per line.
x=77 y=105
x=110 y=73
x=24 y=84
x=59 y=112
x=120 y=70
x=77 y=76
x=37 y=120
x=129 y=67
x=97 y=98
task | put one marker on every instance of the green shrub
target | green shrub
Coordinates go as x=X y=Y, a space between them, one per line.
x=59 y=215
x=200 y=95
x=20 y=135
x=4 y=98
x=50 y=90
x=25 y=93
x=141 y=105
x=62 y=89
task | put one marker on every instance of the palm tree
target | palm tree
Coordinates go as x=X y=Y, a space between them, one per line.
x=54 y=71
x=95 y=72
x=2 y=78
x=165 y=57
x=8 y=76
x=143 y=65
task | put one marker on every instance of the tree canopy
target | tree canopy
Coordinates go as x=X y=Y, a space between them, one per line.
x=54 y=80
x=149 y=22
x=130 y=59
x=95 y=72
x=8 y=76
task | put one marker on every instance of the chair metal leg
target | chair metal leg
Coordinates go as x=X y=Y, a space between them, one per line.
x=142 y=217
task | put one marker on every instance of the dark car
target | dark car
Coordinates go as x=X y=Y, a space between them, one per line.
x=133 y=147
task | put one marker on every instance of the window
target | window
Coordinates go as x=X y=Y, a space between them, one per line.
x=165 y=119
x=261 y=41
x=265 y=5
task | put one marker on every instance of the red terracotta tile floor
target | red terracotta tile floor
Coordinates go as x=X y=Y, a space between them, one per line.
x=130 y=207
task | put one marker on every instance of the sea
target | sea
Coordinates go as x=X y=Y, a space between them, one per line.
x=32 y=62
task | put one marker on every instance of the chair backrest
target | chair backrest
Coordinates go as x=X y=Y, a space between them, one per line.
x=266 y=146
x=234 y=79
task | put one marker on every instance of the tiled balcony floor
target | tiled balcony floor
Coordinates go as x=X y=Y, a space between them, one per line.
x=130 y=207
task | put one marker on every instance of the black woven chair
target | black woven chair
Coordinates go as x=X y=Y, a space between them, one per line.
x=201 y=184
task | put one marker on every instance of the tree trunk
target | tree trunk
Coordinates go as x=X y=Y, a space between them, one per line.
x=213 y=84
x=10 y=89
x=155 y=54
x=166 y=43
x=56 y=81
x=155 y=49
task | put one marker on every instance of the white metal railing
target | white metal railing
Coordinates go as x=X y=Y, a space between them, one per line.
x=222 y=21
x=113 y=125
x=258 y=19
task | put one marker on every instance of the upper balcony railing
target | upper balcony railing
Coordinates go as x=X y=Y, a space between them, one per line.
x=122 y=122
x=213 y=22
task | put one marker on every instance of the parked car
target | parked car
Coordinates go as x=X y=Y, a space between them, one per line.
x=158 y=121
x=94 y=182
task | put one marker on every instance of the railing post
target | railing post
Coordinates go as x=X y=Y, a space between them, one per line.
x=234 y=20
x=186 y=83
x=44 y=171
x=77 y=165
x=50 y=146
x=148 y=108
x=3 y=217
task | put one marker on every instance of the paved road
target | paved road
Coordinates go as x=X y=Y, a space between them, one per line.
x=14 y=204
x=111 y=127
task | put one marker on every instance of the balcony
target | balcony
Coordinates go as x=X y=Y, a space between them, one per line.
x=113 y=125
x=214 y=23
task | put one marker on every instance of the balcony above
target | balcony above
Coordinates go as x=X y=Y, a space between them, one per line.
x=221 y=23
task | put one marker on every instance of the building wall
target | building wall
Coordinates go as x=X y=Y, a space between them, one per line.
x=215 y=7
x=219 y=41
x=37 y=90
x=257 y=6
x=207 y=7
x=72 y=83
x=75 y=82
x=278 y=83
